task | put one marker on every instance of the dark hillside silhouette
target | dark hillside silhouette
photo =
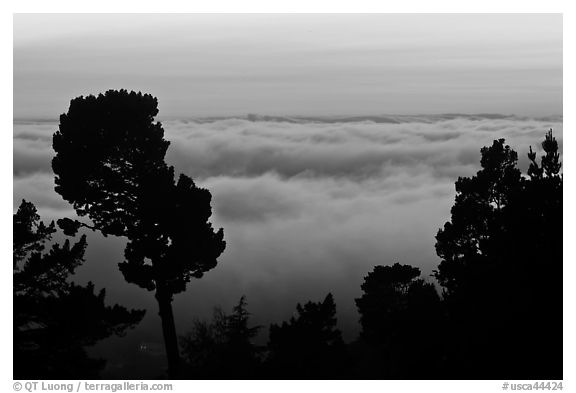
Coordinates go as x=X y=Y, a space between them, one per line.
x=54 y=320
x=501 y=268
x=110 y=166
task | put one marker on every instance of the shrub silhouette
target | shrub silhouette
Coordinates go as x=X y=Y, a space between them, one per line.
x=110 y=166
x=501 y=268
x=54 y=319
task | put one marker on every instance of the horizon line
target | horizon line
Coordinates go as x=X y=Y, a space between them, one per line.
x=385 y=118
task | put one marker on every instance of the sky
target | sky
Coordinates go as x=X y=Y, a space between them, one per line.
x=293 y=64
x=377 y=117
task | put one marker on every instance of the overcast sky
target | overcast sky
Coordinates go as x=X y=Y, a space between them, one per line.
x=308 y=64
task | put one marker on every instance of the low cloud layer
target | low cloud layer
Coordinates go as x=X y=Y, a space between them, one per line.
x=359 y=150
x=307 y=205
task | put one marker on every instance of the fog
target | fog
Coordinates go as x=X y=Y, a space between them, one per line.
x=308 y=207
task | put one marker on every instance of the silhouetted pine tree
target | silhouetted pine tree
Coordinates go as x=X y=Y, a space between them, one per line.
x=309 y=346
x=110 y=166
x=223 y=349
x=501 y=268
x=401 y=317
x=54 y=320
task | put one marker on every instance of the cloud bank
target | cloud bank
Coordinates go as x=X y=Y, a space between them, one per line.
x=308 y=205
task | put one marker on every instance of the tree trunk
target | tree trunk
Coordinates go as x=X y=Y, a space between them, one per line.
x=169 y=331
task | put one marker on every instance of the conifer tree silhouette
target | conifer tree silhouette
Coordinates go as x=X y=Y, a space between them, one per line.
x=309 y=346
x=223 y=348
x=55 y=319
x=110 y=166
x=401 y=318
x=501 y=267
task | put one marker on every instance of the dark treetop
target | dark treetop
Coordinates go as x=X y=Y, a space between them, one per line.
x=110 y=165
